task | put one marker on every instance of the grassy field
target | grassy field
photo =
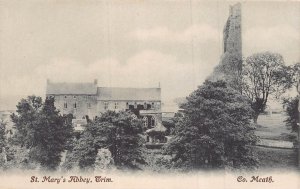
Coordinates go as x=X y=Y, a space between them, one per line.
x=272 y=158
x=273 y=127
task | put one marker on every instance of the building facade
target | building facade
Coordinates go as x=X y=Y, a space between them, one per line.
x=87 y=100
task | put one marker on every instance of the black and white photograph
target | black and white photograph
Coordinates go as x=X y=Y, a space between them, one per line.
x=149 y=94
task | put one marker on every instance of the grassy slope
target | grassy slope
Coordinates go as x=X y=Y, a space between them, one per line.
x=273 y=127
x=271 y=158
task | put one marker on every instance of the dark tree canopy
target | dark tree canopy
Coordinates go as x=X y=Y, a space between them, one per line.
x=293 y=71
x=215 y=130
x=291 y=109
x=42 y=130
x=2 y=135
x=119 y=133
x=24 y=120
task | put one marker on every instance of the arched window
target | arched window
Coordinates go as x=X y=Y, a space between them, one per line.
x=75 y=105
x=152 y=105
x=65 y=105
x=145 y=105
x=145 y=120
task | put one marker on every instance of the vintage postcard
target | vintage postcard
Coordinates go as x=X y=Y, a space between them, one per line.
x=149 y=94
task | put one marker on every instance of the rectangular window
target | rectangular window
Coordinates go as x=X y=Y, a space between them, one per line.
x=158 y=105
x=116 y=105
x=105 y=105
x=89 y=105
x=75 y=105
x=65 y=105
x=153 y=121
x=145 y=120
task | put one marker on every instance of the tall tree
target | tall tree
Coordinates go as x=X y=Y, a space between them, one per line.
x=294 y=72
x=42 y=130
x=85 y=151
x=215 y=130
x=117 y=132
x=2 y=135
x=24 y=120
x=3 y=143
x=292 y=113
x=263 y=76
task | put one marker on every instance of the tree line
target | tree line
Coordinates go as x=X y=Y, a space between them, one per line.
x=214 y=130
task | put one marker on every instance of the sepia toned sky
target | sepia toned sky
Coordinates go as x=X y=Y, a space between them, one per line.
x=130 y=43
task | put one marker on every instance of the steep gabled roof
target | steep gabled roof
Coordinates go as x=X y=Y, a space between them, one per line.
x=139 y=94
x=71 y=88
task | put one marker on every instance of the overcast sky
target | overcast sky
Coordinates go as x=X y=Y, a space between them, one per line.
x=130 y=43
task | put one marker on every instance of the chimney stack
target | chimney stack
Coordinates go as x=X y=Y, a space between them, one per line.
x=95 y=81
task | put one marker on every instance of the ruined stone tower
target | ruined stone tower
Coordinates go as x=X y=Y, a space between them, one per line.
x=230 y=66
x=232 y=34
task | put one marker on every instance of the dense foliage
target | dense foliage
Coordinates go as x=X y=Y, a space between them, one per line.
x=117 y=132
x=291 y=109
x=293 y=73
x=215 y=130
x=2 y=142
x=42 y=130
x=2 y=135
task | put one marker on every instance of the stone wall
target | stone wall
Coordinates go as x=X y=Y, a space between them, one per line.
x=85 y=105
x=119 y=105
x=90 y=106
x=232 y=34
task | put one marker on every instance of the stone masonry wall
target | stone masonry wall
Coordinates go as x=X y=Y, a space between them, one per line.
x=85 y=105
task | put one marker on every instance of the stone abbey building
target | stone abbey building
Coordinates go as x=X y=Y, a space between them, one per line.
x=87 y=100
